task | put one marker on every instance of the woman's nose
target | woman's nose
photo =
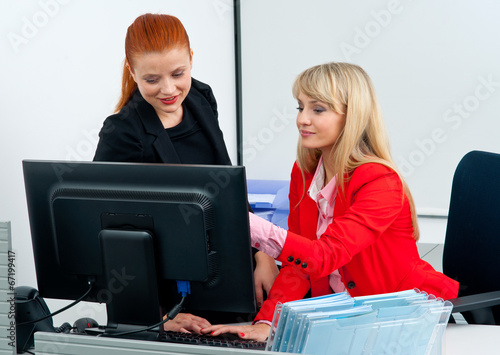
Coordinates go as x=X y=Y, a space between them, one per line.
x=167 y=87
x=303 y=119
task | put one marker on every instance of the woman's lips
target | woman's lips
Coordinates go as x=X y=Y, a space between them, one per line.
x=306 y=133
x=169 y=100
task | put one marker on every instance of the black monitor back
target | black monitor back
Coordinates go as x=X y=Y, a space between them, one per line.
x=197 y=217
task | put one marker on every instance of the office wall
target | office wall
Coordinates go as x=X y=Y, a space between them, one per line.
x=434 y=65
x=60 y=78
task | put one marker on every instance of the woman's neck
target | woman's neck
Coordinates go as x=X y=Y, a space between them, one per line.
x=170 y=119
x=329 y=170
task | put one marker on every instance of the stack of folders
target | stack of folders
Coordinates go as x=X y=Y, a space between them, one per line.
x=407 y=322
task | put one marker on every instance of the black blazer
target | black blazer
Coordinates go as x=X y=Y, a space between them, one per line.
x=136 y=134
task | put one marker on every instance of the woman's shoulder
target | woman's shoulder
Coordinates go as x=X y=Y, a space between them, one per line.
x=200 y=85
x=373 y=171
x=126 y=120
x=296 y=170
x=298 y=175
x=205 y=91
x=202 y=88
x=374 y=168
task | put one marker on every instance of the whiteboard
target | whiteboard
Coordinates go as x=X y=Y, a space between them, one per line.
x=434 y=64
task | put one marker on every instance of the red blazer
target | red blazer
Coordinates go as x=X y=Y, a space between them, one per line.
x=370 y=241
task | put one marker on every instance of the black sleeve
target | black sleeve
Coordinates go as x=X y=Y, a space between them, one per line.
x=119 y=141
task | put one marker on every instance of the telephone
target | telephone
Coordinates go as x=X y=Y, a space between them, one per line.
x=30 y=306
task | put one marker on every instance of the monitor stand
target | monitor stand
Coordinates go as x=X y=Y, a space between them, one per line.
x=131 y=293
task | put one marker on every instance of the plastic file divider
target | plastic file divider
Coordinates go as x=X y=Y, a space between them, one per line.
x=400 y=323
x=371 y=299
x=297 y=344
x=281 y=316
x=294 y=319
x=272 y=338
x=435 y=345
x=341 y=302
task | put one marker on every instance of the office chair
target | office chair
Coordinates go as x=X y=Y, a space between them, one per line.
x=472 y=242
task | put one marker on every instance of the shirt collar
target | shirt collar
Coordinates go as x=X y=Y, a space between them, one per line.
x=329 y=192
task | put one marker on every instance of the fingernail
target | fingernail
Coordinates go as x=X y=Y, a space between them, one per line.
x=201 y=329
x=212 y=333
x=242 y=335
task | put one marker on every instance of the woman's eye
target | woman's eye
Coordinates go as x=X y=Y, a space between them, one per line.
x=300 y=109
x=319 y=110
x=176 y=75
x=150 y=81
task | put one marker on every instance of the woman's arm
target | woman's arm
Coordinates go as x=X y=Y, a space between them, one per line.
x=119 y=141
x=265 y=273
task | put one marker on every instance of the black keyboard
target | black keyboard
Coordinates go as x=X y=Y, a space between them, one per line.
x=223 y=340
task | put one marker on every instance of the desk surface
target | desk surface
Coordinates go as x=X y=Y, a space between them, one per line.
x=460 y=339
x=72 y=344
x=466 y=339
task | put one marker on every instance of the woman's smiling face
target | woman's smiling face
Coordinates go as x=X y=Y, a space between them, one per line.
x=164 y=80
x=318 y=125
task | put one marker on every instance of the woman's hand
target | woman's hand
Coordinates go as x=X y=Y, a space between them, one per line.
x=187 y=323
x=264 y=275
x=258 y=332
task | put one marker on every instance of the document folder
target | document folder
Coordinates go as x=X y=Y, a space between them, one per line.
x=408 y=322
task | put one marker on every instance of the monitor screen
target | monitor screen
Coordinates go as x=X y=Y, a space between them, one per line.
x=133 y=230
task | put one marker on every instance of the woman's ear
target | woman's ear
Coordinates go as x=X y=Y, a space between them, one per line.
x=130 y=69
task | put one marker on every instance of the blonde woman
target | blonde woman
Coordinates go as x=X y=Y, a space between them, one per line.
x=352 y=223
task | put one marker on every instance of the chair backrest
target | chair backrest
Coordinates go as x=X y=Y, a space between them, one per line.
x=472 y=242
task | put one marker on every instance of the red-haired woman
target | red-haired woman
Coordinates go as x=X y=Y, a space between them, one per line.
x=166 y=116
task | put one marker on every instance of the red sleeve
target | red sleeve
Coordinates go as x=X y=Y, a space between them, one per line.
x=290 y=285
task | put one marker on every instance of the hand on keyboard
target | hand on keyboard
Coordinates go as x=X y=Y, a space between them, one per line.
x=258 y=332
x=224 y=340
x=186 y=322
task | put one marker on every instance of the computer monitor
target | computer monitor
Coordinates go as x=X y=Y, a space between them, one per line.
x=134 y=229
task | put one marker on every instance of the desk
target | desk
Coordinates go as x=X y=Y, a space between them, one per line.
x=467 y=339
x=460 y=339
x=72 y=344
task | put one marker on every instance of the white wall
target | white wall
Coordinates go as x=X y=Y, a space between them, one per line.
x=434 y=65
x=60 y=78
x=61 y=70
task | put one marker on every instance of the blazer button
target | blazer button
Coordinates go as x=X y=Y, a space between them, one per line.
x=290 y=258
x=351 y=285
x=304 y=265
x=297 y=261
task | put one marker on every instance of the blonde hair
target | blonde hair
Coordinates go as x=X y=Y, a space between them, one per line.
x=348 y=89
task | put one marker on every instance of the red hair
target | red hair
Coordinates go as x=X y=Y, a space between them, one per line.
x=149 y=33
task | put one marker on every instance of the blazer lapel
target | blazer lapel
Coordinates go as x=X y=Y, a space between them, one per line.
x=203 y=113
x=309 y=215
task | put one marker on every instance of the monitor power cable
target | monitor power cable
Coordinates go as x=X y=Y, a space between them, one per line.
x=184 y=288
x=91 y=286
